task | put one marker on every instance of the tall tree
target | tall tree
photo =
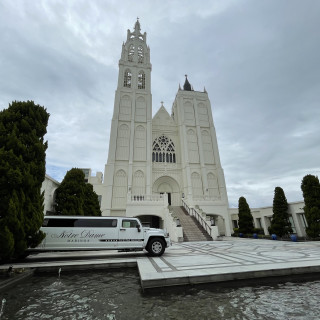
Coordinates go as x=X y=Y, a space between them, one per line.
x=280 y=224
x=91 y=202
x=22 y=171
x=76 y=198
x=245 y=217
x=310 y=187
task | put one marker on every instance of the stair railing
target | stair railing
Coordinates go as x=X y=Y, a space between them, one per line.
x=194 y=212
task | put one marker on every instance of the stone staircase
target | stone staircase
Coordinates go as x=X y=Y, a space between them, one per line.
x=192 y=230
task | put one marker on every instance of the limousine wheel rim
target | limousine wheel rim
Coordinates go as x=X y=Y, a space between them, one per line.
x=157 y=247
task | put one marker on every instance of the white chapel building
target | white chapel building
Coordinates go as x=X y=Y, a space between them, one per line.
x=157 y=165
x=170 y=160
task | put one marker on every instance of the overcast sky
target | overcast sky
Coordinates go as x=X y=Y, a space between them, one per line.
x=258 y=60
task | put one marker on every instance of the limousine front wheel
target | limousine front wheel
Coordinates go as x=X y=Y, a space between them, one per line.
x=156 y=247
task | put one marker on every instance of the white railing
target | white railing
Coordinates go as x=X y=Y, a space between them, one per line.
x=194 y=212
x=147 y=197
x=206 y=198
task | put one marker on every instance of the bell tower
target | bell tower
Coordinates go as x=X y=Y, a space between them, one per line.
x=128 y=169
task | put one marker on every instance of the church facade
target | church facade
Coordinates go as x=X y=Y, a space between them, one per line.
x=156 y=163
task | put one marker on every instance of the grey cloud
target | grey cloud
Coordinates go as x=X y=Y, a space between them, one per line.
x=259 y=61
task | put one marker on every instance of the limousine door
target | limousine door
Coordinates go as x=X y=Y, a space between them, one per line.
x=130 y=234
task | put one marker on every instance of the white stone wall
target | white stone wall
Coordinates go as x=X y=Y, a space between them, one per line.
x=49 y=186
x=262 y=217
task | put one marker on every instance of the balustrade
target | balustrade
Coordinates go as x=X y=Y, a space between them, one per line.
x=148 y=197
x=199 y=216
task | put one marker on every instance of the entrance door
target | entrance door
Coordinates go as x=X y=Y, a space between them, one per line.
x=129 y=235
x=169 y=186
x=169 y=197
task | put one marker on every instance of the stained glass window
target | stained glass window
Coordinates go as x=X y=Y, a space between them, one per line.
x=163 y=150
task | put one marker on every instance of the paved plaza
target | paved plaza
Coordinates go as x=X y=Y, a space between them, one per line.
x=194 y=262
x=230 y=259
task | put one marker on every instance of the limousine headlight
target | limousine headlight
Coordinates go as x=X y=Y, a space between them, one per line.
x=166 y=234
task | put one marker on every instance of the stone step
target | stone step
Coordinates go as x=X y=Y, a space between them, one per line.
x=192 y=230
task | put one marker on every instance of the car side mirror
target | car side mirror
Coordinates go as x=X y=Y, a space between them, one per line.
x=138 y=227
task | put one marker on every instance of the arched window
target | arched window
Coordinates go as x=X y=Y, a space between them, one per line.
x=119 y=190
x=213 y=186
x=140 y=54
x=141 y=80
x=196 y=184
x=122 y=151
x=138 y=183
x=193 y=150
x=127 y=78
x=139 y=150
x=125 y=108
x=163 y=150
x=131 y=53
x=140 y=114
x=207 y=147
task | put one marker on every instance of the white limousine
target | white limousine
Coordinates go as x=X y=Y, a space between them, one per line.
x=101 y=233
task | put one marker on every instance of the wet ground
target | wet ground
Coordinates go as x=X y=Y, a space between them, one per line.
x=117 y=295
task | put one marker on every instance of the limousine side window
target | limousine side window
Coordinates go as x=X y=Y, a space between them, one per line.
x=58 y=223
x=96 y=223
x=129 y=223
x=80 y=223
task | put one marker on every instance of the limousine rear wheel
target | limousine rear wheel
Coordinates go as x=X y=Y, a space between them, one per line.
x=156 y=247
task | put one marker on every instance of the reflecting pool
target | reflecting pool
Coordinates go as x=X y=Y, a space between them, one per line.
x=117 y=295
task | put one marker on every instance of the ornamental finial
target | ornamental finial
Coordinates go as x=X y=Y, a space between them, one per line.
x=137 y=26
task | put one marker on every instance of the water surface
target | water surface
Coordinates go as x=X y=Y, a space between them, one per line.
x=117 y=295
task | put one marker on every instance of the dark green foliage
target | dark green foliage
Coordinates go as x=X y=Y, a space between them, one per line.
x=76 y=198
x=310 y=187
x=91 y=203
x=245 y=217
x=22 y=171
x=258 y=231
x=70 y=194
x=280 y=224
x=6 y=242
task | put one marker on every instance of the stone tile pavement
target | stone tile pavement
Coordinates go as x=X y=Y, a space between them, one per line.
x=230 y=259
x=193 y=262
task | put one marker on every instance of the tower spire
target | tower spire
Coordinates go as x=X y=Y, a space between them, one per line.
x=187 y=86
x=137 y=27
x=136 y=34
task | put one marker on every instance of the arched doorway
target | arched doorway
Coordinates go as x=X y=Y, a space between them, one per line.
x=170 y=186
